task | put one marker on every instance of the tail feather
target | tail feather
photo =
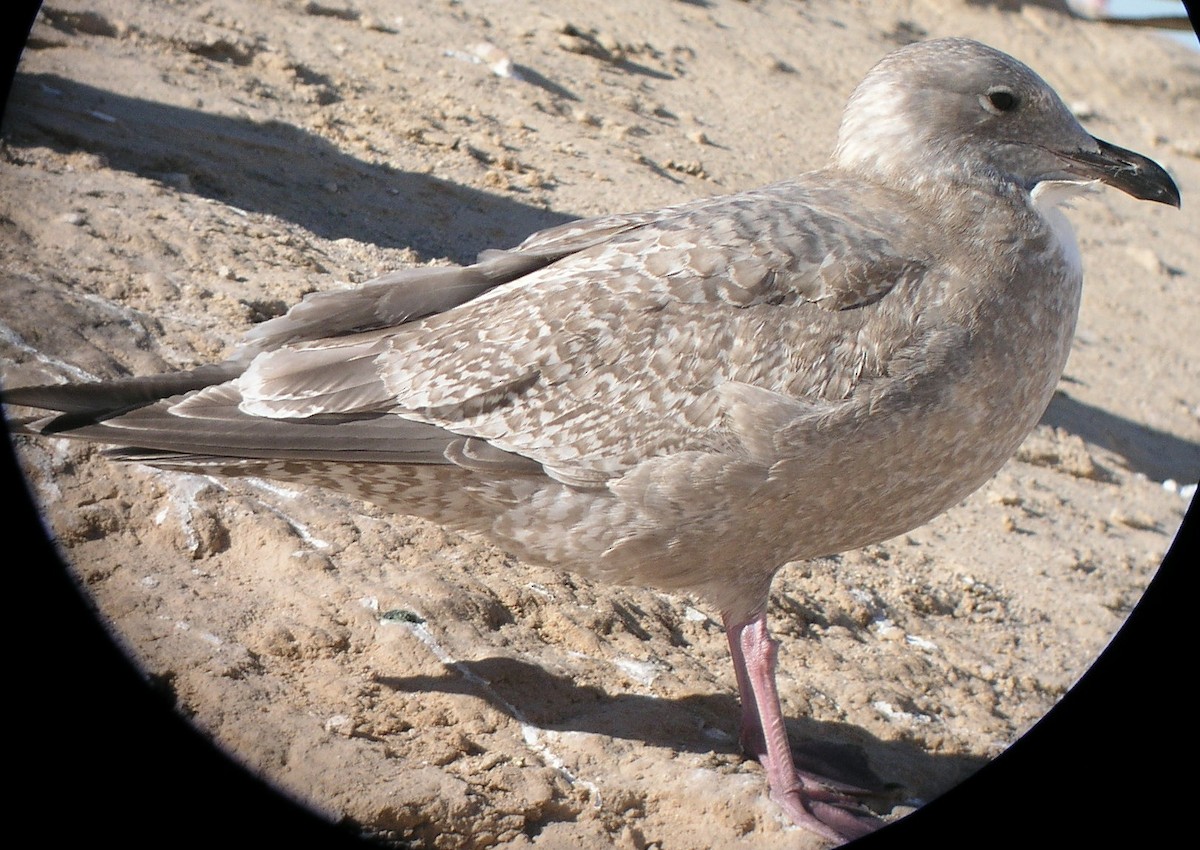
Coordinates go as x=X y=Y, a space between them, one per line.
x=89 y=403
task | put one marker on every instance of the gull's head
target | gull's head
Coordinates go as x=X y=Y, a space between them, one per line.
x=955 y=109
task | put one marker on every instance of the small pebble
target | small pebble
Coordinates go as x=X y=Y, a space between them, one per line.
x=1140 y=521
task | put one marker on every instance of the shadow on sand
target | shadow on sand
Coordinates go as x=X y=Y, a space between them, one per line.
x=272 y=168
x=1156 y=454
x=697 y=723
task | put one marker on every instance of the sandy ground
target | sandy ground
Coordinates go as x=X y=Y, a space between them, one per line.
x=174 y=172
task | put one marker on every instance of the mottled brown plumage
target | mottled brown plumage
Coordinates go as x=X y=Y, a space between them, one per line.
x=692 y=397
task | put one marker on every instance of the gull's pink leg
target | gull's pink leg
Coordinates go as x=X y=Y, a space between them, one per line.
x=750 y=734
x=764 y=736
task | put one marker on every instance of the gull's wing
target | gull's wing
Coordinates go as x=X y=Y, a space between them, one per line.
x=612 y=353
x=587 y=349
x=410 y=294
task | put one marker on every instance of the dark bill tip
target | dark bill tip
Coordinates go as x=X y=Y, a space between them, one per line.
x=1132 y=173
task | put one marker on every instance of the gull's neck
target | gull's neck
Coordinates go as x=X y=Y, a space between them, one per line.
x=1049 y=197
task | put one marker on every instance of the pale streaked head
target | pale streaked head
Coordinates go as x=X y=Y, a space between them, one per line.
x=955 y=109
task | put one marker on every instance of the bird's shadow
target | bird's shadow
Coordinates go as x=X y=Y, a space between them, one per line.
x=697 y=723
x=1154 y=453
x=268 y=167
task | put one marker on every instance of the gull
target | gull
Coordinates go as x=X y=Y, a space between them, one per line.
x=692 y=397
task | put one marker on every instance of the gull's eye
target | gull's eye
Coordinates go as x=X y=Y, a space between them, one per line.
x=999 y=99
